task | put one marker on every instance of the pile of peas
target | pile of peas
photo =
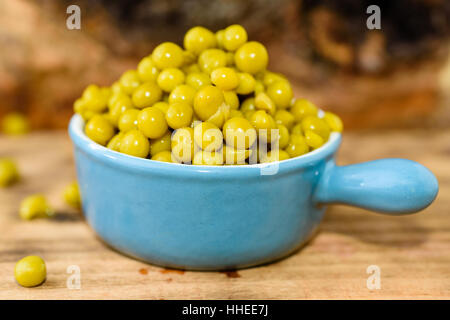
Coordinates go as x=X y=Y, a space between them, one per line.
x=193 y=105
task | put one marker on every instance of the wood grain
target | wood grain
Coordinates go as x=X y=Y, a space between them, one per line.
x=413 y=252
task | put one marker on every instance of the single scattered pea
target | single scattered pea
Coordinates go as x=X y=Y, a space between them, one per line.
x=71 y=195
x=15 y=124
x=30 y=271
x=8 y=172
x=35 y=206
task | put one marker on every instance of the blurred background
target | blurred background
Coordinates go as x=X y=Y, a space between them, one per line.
x=396 y=77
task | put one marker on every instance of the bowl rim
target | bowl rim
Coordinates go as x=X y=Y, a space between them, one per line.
x=103 y=154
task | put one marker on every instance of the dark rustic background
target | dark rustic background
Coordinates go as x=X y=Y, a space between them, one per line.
x=396 y=77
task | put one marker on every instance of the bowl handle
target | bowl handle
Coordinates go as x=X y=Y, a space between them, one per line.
x=391 y=186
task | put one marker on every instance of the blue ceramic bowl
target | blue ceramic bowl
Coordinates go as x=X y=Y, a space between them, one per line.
x=229 y=217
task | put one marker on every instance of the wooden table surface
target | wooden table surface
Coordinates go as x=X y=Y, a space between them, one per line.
x=412 y=252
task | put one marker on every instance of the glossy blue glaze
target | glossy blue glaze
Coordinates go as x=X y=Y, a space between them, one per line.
x=227 y=217
x=393 y=186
